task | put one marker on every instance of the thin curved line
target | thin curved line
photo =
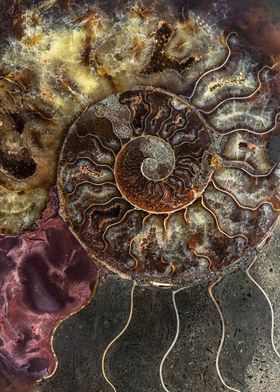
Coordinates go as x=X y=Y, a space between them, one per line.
x=98 y=205
x=171 y=187
x=143 y=190
x=210 y=291
x=238 y=203
x=243 y=163
x=269 y=303
x=174 y=292
x=188 y=156
x=159 y=185
x=152 y=194
x=164 y=126
x=130 y=253
x=81 y=157
x=94 y=184
x=180 y=181
x=54 y=331
x=118 y=336
x=165 y=223
x=190 y=142
x=114 y=224
x=180 y=128
x=91 y=135
x=202 y=255
x=186 y=165
x=185 y=168
x=165 y=194
x=107 y=118
x=218 y=223
x=250 y=130
x=213 y=69
x=134 y=239
x=182 y=178
x=251 y=174
x=259 y=85
x=166 y=120
x=18 y=84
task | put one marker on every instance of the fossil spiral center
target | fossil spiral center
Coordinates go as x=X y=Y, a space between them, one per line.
x=145 y=185
x=147 y=162
x=155 y=156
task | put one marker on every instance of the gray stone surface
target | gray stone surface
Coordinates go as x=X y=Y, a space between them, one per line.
x=247 y=363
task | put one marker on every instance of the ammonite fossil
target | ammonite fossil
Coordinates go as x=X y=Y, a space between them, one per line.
x=158 y=122
x=154 y=190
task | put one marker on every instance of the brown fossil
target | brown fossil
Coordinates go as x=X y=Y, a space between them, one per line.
x=151 y=190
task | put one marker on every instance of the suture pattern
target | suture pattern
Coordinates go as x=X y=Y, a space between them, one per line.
x=171 y=189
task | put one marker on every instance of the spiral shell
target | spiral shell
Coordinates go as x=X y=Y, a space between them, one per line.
x=151 y=190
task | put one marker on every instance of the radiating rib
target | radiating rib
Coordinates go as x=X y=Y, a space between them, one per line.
x=174 y=292
x=118 y=336
x=210 y=291
x=213 y=69
x=269 y=304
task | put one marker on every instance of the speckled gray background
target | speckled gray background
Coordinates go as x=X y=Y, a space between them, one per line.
x=247 y=361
